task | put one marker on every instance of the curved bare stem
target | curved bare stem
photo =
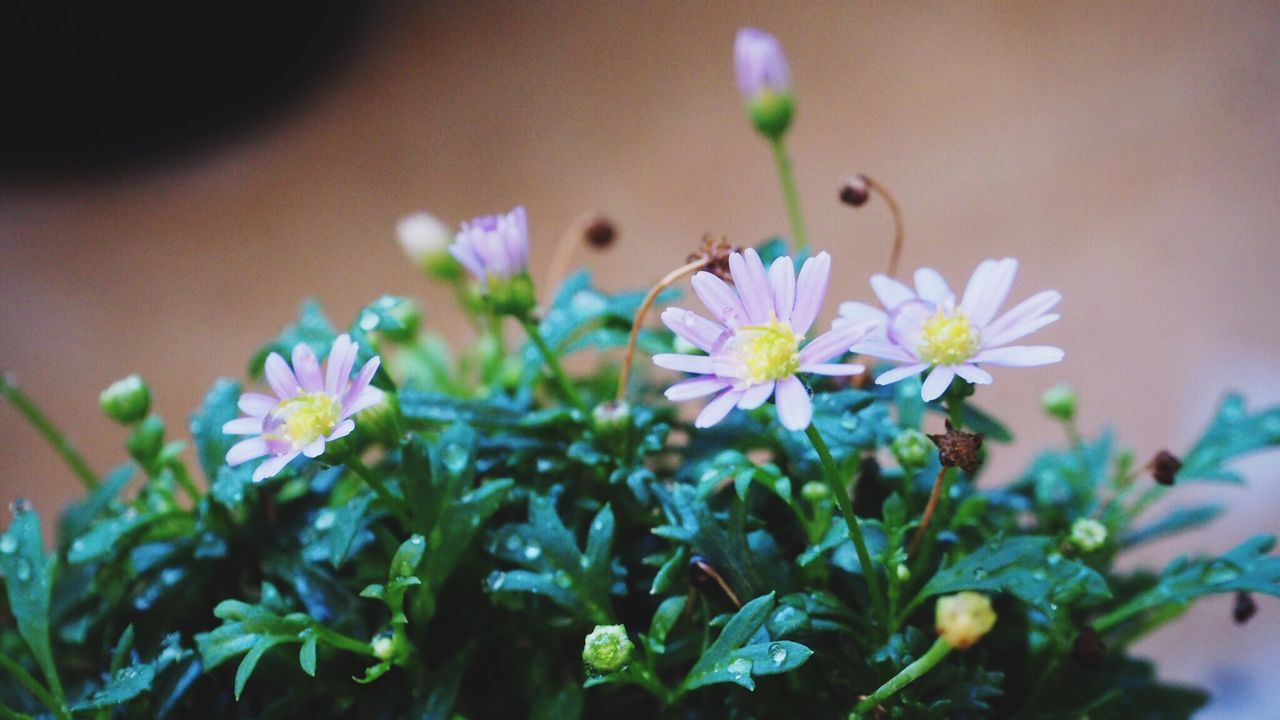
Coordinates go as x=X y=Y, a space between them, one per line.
x=667 y=281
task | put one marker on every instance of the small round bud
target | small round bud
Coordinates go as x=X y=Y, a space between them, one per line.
x=426 y=241
x=1088 y=534
x=126 y=400
x=1244 y=608
x=771 y=113
x=146 y=440
x=911 y=448
x=854 y=191
x=383 y=646
x=815 y=491
x=607 y=649
x=764 y=80
x=1059 y=401
x=962 y=619
x=600 y=233
x=1164 y=467
x=511 y=296
x=612 y=417
x=904 y=573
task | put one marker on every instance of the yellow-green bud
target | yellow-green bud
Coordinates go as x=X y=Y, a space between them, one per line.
x=771 y=112
x=146 y=440
x=383 y=646
x=511 y=296
x=815 y=491
x=911 y=448
x=1088 y=534
x=607 y=649
x=611 y=418
x=962 y=619
x=1059 y=401
x=126 y=400
x=904 y=573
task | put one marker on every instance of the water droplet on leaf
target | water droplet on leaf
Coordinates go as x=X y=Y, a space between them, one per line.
x=8 y=544
x=455 y=457
x=325 y=519
x=532 y=551
x=24 y=570
x=778 y=653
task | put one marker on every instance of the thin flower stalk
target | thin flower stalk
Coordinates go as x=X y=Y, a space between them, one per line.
x=642 y=312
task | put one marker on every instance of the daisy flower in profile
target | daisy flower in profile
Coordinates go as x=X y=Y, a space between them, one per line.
x=311 y=406
x=753 y=340
x=925 y=327
x=494 y=247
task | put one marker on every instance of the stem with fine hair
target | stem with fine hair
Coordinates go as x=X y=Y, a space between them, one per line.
x=788 y=178
x=553 y=362
x=667 y=281
x=51 y=434
x=905 y=677
x=841 y=493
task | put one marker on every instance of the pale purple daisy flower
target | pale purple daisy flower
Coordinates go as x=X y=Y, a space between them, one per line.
x=311 y=406
x=925 y=328
x=494 y=246
x=760 y=65
x=753 y=341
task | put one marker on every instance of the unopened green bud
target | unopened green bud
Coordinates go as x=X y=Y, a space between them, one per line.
x=383 y=646
x=904 y=573
x=911 y=448
x=1059 y=401
x=771 y=112
x=395 y=317
x=511 y=296
x=1088 y=534
x=964 y=618
x=146 y=440
x=611 y=418
x=815 y=491
x=126 y=400
x=607 y=649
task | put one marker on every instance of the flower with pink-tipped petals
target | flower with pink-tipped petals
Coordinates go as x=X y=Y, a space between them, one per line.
x=753 y=340
x=926 y=328
x=494 y=247
x=311 y=406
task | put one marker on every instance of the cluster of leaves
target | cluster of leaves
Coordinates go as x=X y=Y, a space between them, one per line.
x=509 y=525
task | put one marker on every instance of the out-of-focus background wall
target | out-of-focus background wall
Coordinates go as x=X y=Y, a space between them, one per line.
x=1128 y=154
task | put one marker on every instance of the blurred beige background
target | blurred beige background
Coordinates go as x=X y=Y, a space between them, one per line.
x=1127 y=153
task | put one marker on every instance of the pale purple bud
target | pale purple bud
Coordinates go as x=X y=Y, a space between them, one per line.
x=494 y=246
x=760 y=64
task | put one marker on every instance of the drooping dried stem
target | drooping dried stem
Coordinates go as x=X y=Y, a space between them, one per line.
x=899 y=234
x=565 y=246
x=929 y=509
x=667 y=281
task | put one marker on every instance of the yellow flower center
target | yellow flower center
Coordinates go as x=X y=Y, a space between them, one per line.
x=947 y=339
x=769 y=352
x=301 y=420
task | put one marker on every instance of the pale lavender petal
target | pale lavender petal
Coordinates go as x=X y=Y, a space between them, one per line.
x=246 y=450
x=367 y=398
x=273 y=465
x=931 y=287
x=891 y=292
x=362 y=380
x=937 y=382
x=700 y=364
x=342 y=356
x=795 y=409
x=715 y=410
x=696 y=388
x=834 y=343
x=857 y=312
x=280 y=377
x=257 y=404
x=753 y=286
x=782 y=278
x=901 y=373
x=811 y=288
x=754 y=396
x=314 y=449
x=834 y=369
x=695 y=329
x=243 y=426
x=466 y=256
x=987 y=290
x=1028 y=309
x=881 y=348
x=727 y=366
x=719 y=298
x=307 y=368
x=342 y=429
x=1019 y=331
x=973 y=374
x=1020 y=355
x=906 y=323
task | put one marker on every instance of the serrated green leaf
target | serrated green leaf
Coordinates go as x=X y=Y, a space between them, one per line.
x=28 y=582
x=1175 y=521
x=744 y=650
x=1232 y=433
x=124 y=685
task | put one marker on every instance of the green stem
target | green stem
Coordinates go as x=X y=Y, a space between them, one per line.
x=51 y=434
x=333 y=638
x=553 y=362
x=841 y=494
x=787 y=176
x=397 y=505
x=183 y=476
x=905 y=677
x=33 y=686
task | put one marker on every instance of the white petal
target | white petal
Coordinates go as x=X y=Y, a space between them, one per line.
x=906 y=323
x=273 y=465
x=755 y=396
x=811 y=288
x=1019 y=356
x=782 y=280
x=342 y=356
x=987 y=290
x=753 y=287
x=834 y=343
x=937 y=382
x=314 y=449
x=257 y=404
x=367 y=398
x=891 y=292
x=715 y=410
x=901 y=373
x=996 y=333
x=1019 y=331
x=795 y=409
x=243 y=426
x=307 y=368
x=246 y=450
x=280 y=377
x=974 y=374
x=342 y=429
x=700 y=364
x=695 y=329
x=720 y=299
x=696 y=388
x=931 y=287
x=834 y=369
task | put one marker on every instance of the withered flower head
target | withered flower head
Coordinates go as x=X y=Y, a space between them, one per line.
x=854 y=191
x=600 y=233
x=1244 y=608
x=717 y=253
x=1088 y=649
x=957 y=448
x=1164 y=466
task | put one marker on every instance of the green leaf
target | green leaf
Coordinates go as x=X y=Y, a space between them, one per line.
x=1232 y=433
x=78 y=516
x=103 y=538
x=1175 y=521
x=250 y=661
x=312 y=328
x=307 y=655
x=1029 y=568
x=28 y=581
x=664 y=618
x=124 y=685
x=218 y=408
x=744 y=650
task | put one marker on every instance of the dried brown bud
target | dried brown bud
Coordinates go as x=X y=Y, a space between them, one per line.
x=716 y=253
x=957 y=448
x=854 y=191
x=1164 y=466
x=1244 y=608
x=1088 y=650
x=600 y=233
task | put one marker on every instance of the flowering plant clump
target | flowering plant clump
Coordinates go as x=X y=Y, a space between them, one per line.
x=478 y=533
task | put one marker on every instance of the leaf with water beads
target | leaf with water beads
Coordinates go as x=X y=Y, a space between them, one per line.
x=1232 y=433
x=744 y=650
x=28 y=581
